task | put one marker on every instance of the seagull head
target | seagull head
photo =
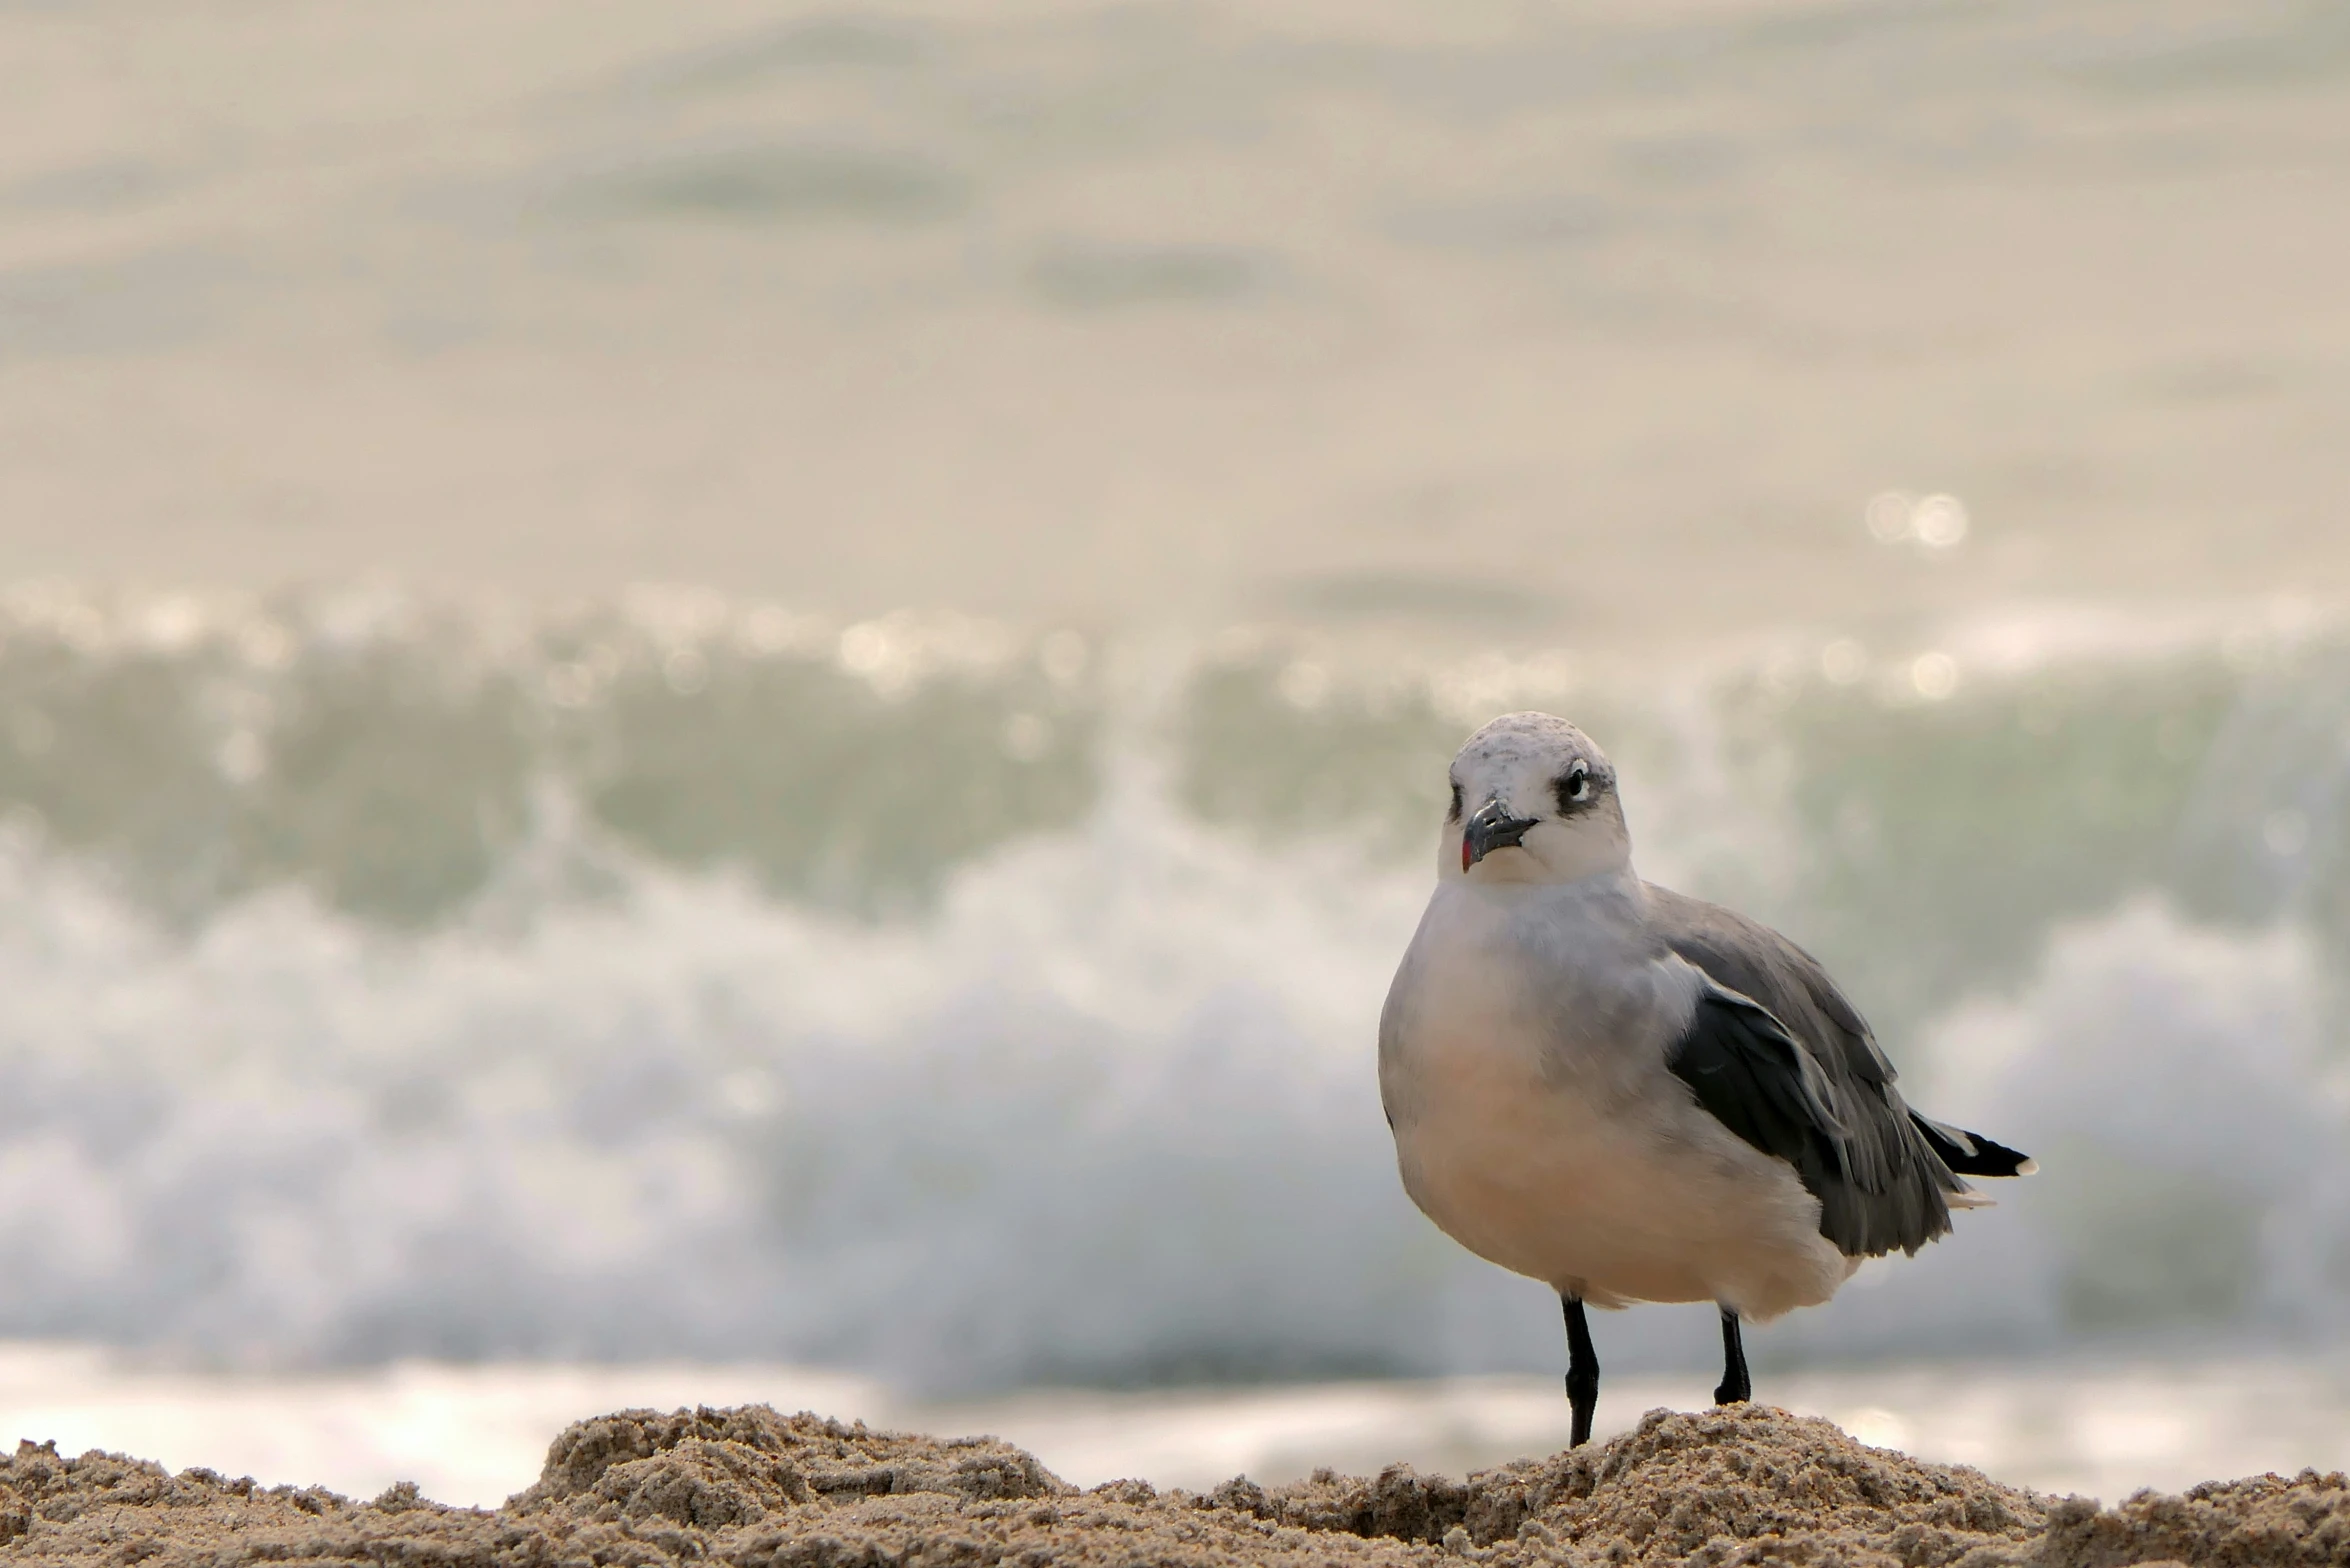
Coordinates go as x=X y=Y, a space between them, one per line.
x=1533 y=800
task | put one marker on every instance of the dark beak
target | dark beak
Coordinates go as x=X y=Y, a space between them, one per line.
x=1489 y=828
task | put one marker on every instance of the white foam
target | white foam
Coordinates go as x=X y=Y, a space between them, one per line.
x=1102 y=1109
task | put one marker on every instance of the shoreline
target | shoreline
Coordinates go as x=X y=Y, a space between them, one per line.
x=748 y=1485
x=474 y=1435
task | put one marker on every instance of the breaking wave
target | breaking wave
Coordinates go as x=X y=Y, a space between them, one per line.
x=978 y=1006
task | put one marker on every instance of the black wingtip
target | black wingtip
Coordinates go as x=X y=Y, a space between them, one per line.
x=1996 y=1159
x=1972 y=1154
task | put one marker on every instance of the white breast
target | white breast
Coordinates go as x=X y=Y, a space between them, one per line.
x=1537 y=1124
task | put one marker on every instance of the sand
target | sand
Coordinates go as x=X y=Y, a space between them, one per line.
x=751 y=1486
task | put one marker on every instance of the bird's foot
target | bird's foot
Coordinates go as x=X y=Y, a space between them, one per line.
x=1735 y=1388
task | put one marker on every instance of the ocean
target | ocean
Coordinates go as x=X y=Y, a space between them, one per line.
x=685 y=979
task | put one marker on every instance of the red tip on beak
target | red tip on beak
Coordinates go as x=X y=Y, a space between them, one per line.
x=1468 y=856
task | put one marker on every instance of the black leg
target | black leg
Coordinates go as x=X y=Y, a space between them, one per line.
x=1736 y=1388
x=1582 y=1371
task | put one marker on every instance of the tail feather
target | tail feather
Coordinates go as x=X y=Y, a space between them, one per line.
x=1972 y=1154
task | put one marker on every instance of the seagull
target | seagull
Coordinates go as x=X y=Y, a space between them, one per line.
x=1633 y=1095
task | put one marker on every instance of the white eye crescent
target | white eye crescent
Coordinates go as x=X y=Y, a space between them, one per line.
x=1579 y=782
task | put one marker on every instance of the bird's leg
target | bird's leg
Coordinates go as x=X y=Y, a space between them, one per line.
x=1736 y=1388
x=1582 y=1371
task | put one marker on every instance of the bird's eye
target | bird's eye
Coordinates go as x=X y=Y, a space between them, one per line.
x=1574 y=787
x=1454 y=815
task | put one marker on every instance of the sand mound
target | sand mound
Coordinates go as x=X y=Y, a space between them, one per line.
x=751 y=1487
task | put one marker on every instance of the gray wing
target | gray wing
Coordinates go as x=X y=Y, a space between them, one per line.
x=1779 y=1057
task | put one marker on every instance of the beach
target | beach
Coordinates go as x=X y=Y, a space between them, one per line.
x=473 y=1435
x=743 y=706
x=748 y=1485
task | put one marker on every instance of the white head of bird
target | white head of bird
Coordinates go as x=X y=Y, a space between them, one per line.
x=1533 y=801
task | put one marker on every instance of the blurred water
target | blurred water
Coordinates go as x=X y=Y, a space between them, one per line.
x=1601 y=321
x=971 y=1006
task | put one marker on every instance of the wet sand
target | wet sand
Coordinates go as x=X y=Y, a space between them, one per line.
x=748 y=1485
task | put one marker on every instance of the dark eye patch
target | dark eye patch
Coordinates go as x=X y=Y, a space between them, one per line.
x=1454 y=815
x=1575 y=789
